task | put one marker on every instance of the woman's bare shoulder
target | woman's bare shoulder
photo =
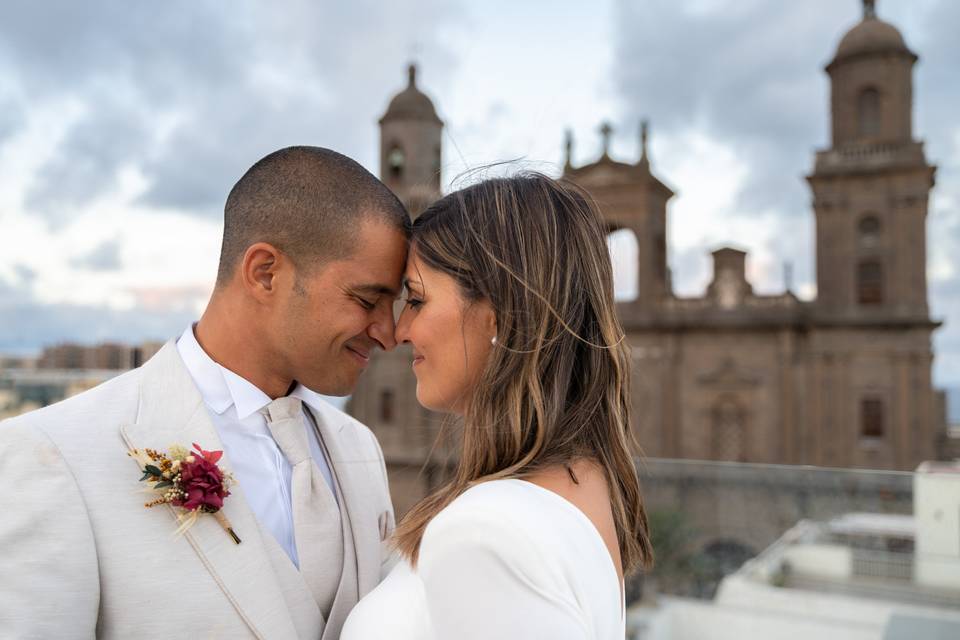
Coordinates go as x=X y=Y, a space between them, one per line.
x=584 y=485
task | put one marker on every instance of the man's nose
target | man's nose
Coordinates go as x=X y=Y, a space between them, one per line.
x=402 y=333
x=383 y=327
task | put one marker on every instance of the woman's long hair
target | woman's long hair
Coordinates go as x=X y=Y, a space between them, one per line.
x=556 y=386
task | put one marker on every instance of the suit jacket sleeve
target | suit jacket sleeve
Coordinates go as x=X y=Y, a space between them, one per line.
x=48 y=561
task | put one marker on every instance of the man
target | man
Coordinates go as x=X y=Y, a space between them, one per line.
x=313 y=252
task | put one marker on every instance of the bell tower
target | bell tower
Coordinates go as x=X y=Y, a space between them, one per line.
x=872 y=185
x=631 y=197
x=410 y=153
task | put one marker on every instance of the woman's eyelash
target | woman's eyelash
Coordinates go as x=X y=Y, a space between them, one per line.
x=413 y=303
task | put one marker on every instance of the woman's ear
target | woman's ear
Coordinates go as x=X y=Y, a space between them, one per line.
x=490 y=320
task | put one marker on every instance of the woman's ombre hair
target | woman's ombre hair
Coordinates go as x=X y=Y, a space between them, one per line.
x=555 y=388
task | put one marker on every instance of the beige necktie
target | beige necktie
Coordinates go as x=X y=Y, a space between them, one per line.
x=316 y=517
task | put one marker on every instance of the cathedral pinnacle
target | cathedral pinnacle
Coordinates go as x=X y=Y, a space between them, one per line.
x=568 y=148
x=412 y=72
x=869 y=9
x=644 y=137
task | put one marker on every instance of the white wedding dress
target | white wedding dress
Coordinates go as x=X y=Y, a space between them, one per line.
x=507 y=559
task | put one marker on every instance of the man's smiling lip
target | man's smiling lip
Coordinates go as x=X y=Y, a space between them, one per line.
x=363 y=356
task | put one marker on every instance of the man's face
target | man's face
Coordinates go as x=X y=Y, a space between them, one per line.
x=336 y=316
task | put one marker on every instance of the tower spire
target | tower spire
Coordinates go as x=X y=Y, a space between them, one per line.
x=412 y=74
x=644 y=137
x=568 y=149
x=869 y=9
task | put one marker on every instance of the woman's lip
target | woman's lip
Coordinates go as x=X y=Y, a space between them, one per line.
x=417 y=360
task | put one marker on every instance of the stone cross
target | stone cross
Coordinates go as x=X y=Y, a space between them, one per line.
x=606 y=130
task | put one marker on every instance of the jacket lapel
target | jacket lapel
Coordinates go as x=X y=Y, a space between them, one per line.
x=352 y=466
x=171 y=411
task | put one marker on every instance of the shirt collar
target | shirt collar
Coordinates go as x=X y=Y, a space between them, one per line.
x=219 y=387
x=206 y=373
x=247 y=397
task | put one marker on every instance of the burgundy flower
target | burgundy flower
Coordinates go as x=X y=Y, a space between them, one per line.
x=211 y=456
x=202 y=481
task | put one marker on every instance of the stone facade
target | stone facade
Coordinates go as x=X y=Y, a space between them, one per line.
x=843 y=380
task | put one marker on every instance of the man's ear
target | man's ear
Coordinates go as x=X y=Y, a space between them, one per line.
x=259 y=270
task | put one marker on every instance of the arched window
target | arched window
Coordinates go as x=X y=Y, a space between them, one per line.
x=624 y=255
x=868 y=112
x=870 y=282
x=868 y=230
x=728 y=429
x=396 y=162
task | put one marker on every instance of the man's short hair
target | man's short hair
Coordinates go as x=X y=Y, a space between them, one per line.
x=308 y=202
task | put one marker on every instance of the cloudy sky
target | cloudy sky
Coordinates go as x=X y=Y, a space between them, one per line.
x=123 y=126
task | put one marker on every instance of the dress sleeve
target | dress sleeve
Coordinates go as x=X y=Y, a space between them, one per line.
x=484 y=579
x=48 y=561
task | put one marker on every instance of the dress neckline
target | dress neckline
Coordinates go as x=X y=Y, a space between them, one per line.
x=593 y=527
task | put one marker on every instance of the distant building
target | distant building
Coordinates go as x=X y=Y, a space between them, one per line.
x=23 y=390
x=62 y=371
x=17 y=362
x=843 y=380
x=106 y=355
x=862 y=576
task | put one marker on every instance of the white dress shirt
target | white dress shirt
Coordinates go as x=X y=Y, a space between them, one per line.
x=258 y=464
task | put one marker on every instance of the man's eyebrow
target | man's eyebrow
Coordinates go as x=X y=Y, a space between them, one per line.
x=375 y=289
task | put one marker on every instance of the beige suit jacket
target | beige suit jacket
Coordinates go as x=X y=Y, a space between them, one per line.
x=81 y=557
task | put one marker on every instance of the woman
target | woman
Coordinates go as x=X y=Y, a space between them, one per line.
x=511 y=317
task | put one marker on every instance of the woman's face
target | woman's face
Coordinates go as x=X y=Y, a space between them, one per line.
x=451 y=337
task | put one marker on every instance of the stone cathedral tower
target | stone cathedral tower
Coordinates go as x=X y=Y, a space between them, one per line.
x=871 y=186
x=410 y=150
x=385 y=398
x=870 y=195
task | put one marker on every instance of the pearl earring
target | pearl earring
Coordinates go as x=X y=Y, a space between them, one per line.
x=493 y=340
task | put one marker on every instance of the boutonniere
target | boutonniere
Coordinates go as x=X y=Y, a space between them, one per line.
x=189 y=480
